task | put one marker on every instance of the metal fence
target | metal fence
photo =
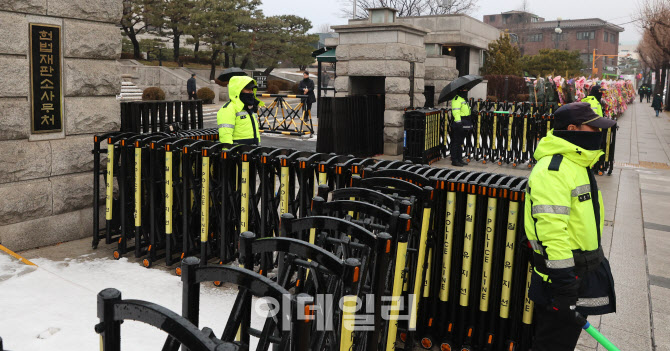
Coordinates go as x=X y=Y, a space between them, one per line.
x=449 y=244
x=502 y=133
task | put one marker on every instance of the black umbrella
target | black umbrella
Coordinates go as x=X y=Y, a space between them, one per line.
x=230 y=72
x=465 y=82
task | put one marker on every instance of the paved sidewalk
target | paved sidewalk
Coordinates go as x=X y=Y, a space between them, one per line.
x=636 y=238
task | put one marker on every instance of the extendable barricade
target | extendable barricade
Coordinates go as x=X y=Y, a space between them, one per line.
x=270 y=120
x=424 y=135
x=158 y=200
x=449 y=244
x=283 y=329
x=305 y=268
x=112 y=311
x=505 y=132
x=157 y=116
x=606 y=162
x=109 y=171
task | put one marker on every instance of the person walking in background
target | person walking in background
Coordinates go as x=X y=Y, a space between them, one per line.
x=657 y=103
x=190 y=88
x=641 y=92
x=306 y=87
x=648 y=93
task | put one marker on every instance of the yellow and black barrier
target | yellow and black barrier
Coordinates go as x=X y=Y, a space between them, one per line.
x=280 y=117
x=504 y=132
x=448 y=244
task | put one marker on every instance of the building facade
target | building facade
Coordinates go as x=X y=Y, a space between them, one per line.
x=408 y=59
x=59 y=86
x=533 y=33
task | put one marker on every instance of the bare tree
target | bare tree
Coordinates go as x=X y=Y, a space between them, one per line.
x=410 y=7
x=654 y=49
x=654 y=18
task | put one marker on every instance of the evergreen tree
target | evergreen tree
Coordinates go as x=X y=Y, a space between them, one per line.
x=502 y=57
x=553 y=62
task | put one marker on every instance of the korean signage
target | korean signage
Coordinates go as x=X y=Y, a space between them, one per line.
x=261 y=79
x=46 y=78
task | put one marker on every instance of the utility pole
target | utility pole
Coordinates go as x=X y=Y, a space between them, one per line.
x=558 y=31
x=355 y=5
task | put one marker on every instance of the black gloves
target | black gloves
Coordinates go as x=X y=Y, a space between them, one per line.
x=564 y=301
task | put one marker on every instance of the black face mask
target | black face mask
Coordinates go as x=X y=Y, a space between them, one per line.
x=598 y=96
x=583 y=139
x=248 y=99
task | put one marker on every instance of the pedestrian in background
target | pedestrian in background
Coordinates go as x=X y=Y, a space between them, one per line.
x=641 y=92
x=190 y=88
x=306 y=86
x=648 y=93
x=657 y=103
x=564 y=223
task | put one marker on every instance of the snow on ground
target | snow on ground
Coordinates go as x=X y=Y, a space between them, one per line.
x=57 y=301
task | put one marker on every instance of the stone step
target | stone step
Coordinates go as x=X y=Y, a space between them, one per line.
x=127 y=83
x=123 y=90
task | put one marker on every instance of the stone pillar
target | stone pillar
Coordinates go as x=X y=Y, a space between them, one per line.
x=45 y=179
x=386 y=50
x=440 y=71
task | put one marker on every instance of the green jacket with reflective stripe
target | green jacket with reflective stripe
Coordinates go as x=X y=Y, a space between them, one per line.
x=559 y=210
x=595 y=105
x=233 y=121
x=459 y=108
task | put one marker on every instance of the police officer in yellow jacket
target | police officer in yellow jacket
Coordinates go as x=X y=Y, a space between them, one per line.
x=564 y=221
x=238 y=119
x=459 y=110
x=594 y=98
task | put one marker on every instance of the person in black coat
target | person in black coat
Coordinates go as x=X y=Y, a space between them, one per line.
x=190 y=88
x=306 y=87
x=641 y=92
x=657 y=104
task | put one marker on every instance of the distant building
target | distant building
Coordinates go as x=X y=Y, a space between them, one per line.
x=533 y=33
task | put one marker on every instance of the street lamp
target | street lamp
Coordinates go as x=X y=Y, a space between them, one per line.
x=558 y=31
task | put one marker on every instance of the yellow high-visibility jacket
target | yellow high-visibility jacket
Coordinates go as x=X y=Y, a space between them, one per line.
x=235 y=124
x=595 y=105
x=459 y=108
x=563 y=223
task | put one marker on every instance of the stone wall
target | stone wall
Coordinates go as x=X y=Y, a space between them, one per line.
x=171 y=80
x=386 y=50
x=440 y=71
x=45 y=180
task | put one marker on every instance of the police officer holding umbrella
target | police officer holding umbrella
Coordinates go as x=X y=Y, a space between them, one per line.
x=457 y=92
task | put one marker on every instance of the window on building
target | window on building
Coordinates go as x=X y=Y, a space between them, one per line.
x=612 y=39
x=492 y=18
x=504 y=19
x=607 y=36
x=560 y=37
x=534 y=19
x=586 y=35
x=586 y=58
x=513 y=38
x=535 y=37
